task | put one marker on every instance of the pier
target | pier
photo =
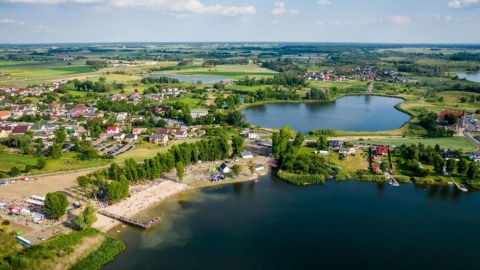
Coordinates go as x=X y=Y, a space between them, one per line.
x=129 y=221
x=459 y=186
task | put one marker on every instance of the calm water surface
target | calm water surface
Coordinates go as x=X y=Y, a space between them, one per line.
x=354 y=113
x=474 y=77
x=340 y=225
x=186 y=78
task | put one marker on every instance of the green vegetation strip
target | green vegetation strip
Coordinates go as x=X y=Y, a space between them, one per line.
x=301 y=179
x=107 y=251
x=454 y=143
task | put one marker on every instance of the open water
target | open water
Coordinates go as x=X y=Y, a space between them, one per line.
x=339 y=225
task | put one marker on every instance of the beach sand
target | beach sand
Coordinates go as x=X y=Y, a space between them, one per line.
x=142 y=198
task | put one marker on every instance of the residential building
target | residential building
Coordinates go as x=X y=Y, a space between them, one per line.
x=161 y=139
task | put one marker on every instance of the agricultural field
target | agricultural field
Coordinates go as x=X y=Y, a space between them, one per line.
x=230 y=71
x=454 y=143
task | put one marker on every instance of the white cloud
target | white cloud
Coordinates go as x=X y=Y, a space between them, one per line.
x=279 y=9
x=168 y=6
x=463 y=3
x=10 y=21
x=324 y=2
x=448 y=18
x=320 y=23
x=373 y=21
x=399 y=19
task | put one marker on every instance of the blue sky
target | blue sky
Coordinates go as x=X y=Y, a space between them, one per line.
x=389 y=21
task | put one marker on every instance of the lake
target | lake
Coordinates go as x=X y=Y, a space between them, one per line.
x=353 y=113
x=339 y=225
x=474 y=77
x=186 y=78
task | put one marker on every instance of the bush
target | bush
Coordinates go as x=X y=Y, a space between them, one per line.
x=301 y=179
x=423 y=181
x=402 y=179
x=342 y=177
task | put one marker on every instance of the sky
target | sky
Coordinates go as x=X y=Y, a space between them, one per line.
x=366 y=21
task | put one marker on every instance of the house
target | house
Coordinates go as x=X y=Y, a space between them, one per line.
x=131 y=137
x=461 y=116
x=122 y=116
x=259 y=167
x=323 y=152
x=20 y=129
x=334 y=144
x=451 y=155
x=252 y=135
x=382 y=150
x=137 y=131
x=180 y=134
x=196 y=113
x=119 y=136
x=3 y=134
x=161 y=139
x=224 y=168
x=112 y=130
x=4 y=115
x=347 y=151
x=135 y=118
x=163 y=131
x=246 y=154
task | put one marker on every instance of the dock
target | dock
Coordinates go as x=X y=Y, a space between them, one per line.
x=464 y=189
x=129 y=221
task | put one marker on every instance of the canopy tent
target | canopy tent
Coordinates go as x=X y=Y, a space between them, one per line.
x=38 y=198
x=213 y=169
x=39 y=203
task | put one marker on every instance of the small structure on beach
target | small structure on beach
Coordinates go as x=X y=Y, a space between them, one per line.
x=224 y=168
x=259 y=167
x=246 y=154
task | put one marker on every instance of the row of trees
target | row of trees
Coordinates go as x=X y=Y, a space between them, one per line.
x=285 y=79
x=119 y=178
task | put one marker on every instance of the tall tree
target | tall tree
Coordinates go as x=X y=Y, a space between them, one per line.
x=180 y=171
x=237 y=145
x=462 y=166
x=438 y=163
x=86 y=218
x=473 y=171
x=251 y=166
x=237 y=170
x=322 y=143
x=451 y=165
x=56 y=204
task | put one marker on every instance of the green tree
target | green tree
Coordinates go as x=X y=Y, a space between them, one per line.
x=86 y=218
x=451 y=165
x=41 y=163
x=322 y=143
x=385 y=166
x=462 y=166
x=473 y=171
x=180 y=171
x=55 y=151
x=438 y=163
x=281 y=143
x=251 y=166
x=14 y=171
x=60 y=135
x=237 y=170
x=56 y=204
x=237 y=145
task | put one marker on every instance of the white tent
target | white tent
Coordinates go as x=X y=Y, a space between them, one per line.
x=39 y=198
x=39 y=203
x=25 y=212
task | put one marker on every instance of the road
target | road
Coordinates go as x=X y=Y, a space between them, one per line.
x=468 y=136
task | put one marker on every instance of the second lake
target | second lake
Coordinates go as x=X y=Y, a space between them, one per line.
x=352 y=113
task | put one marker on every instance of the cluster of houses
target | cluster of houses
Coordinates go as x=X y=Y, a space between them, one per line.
x=357 y=73
x=6 y=91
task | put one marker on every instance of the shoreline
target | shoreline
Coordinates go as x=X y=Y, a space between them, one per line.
x=152 y=196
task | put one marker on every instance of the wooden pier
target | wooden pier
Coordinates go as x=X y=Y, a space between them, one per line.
x=464 y=189
x=129 y=221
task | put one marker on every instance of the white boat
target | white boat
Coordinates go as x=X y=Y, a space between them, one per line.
x=118 y=231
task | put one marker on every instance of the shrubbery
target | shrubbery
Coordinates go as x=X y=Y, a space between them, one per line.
x=107 y=251
x=301 y=179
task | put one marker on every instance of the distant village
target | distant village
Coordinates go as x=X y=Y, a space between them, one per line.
x=358 y=73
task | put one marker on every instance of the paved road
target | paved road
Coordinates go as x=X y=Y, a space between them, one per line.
x=468 y=136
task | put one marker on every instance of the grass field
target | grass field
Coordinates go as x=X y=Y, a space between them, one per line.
x=38 y=73
x=453 y=143
x=192 y=102
x=230 y=71
x=144 y=151
x=10 y=160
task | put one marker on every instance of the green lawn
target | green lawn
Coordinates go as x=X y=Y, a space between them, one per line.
x=192 y=102
x=10 y=160
x=40 y=72
x=454 y=143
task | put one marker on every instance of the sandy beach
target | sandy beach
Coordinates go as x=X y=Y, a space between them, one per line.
x=142 y=198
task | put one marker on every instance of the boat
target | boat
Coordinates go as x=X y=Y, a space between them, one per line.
x=255 y=180
x=393 y=182
x=123 y=225
x=463 y=188
x=118 y=231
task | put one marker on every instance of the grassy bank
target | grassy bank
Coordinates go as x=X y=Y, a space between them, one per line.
x=301 y=179
x=454 y=143
x=88 y=248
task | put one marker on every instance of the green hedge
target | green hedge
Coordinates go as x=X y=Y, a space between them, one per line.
x=301 y=179
x=372 y=178
x=402 y=179
x=424 y=181
x=342 y=177
x=105 y=253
